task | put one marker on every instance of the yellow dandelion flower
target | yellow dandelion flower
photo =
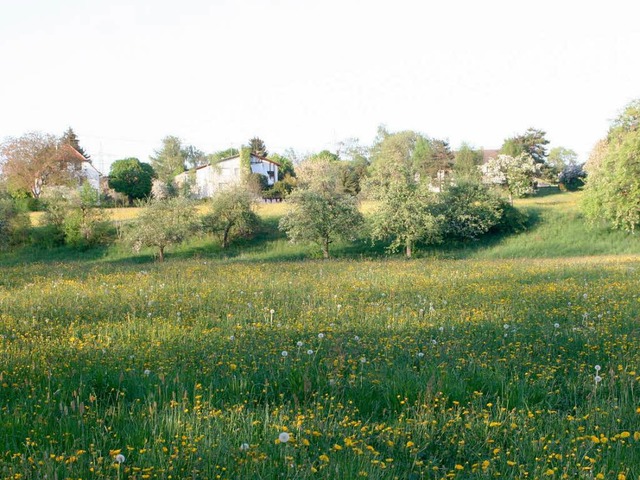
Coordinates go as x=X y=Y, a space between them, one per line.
x=459 y=467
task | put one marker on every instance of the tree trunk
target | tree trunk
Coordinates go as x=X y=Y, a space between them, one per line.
x=325 y=249
x=161 y=254
x=408 y=250
x=225 y=237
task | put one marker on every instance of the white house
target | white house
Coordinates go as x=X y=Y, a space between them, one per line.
x=208 y=179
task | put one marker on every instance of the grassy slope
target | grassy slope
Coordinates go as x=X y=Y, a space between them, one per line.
x=557 y=230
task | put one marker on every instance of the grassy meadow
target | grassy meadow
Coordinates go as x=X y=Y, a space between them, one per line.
x=514 y=357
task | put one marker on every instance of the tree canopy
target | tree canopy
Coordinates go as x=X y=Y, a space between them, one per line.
x=132 y=178
x=321 y=211
x=532 y=142
x=257 y=147
x=36 y=159
x=170 y=159
x=612 y=190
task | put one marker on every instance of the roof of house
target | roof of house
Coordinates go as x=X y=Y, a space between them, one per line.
x=489 y=154
x=264 y=159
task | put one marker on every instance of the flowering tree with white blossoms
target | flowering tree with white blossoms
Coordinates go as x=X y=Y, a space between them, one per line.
x=514 y=173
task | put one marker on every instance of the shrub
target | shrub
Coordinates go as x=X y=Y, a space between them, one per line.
x=14 y=224
x=470 y=210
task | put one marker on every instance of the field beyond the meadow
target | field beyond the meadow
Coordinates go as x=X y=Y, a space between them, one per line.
x=254 y=367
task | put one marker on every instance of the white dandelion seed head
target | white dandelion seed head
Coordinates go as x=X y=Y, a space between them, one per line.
x=120 y=458
x=556 y=325
x=244 y=447
x=506 y=326
x=272 y=311
x=420 y=354
x=598 y=378
x=309 y=352
x=363 y=360
x=284 y=437
x=321 y=335
x=434 y=341
x=147 y=372
x=232 y=338
x=284 y=353
x=356 y=338
x=299 y=343
x=598 y=368
x=441 y=329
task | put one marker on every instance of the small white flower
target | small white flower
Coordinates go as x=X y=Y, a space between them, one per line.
x=244 y=447
x=284 y=437
x=598 y=368
x=284 y=353
x=147 y=372
x=556 y=325
x=299 y=343
x=321 y=336
x=119 y=458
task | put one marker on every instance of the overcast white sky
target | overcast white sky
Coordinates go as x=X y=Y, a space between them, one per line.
x=300 y=74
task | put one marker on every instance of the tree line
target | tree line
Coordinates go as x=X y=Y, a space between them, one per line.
x=425 y=192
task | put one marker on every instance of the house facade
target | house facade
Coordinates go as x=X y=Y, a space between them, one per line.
x=206 y=180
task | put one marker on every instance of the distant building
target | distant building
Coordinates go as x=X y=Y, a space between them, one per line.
x=208 y=179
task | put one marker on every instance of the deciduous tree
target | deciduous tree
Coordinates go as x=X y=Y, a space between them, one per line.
x=532 y=142
x=169 y=160
x=162 y=223
x=405 y=216
x=514 y=173
x=612 y=190
x=232 y=214
x=36 y=160
x=321 y=211
x=131 y=178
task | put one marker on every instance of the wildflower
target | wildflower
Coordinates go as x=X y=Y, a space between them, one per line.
x=284 y=437
x=321 y=335
x=506 y=326
x=119 y=458
x=284 y=353
x=299 y=343
x=598 y=368
x=232 y=338
x=363 y=360
x=309 y=352
x=147 y=372
x=356 y=338
x=598 y=378
x=556 y=325
x=420 y=354
x=244 y=447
